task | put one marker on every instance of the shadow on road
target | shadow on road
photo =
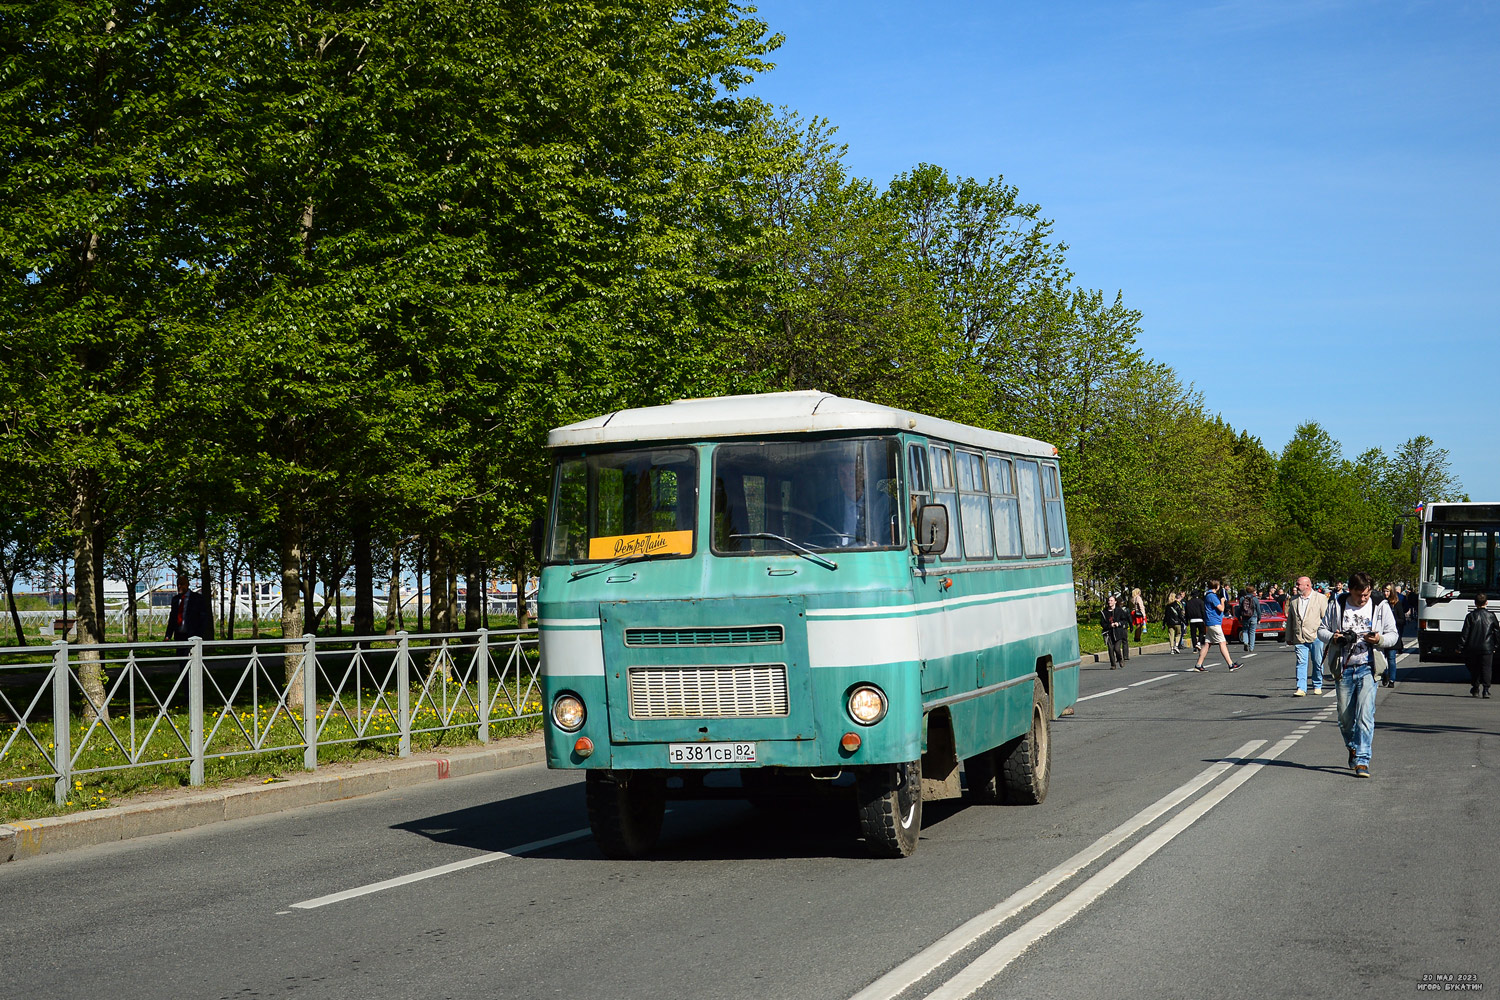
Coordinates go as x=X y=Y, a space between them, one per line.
x=796 y=827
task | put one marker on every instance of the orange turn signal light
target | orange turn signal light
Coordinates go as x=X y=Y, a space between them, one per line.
x=850 y=742
x=584 y=746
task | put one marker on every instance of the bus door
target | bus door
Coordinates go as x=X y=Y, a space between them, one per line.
x=930 y=471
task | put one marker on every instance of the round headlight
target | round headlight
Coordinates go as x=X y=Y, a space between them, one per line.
x=567 y=712
x=867 y=704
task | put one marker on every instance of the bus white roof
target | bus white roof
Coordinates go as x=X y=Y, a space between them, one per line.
x=802 y=412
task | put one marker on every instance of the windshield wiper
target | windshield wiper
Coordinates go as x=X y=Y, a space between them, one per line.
x=809 y=553
x=617 y=561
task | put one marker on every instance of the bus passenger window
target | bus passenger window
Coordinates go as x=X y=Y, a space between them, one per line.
x=1057 y=531
x=1033 y=535
x=942 y=482
x=1004 y=506
x=974 y=506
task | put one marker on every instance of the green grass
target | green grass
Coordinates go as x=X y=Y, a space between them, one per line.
x=1091 y=639
x=229 y=754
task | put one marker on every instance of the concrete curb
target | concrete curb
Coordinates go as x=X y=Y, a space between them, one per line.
x=201 y=807
x=1155 y=647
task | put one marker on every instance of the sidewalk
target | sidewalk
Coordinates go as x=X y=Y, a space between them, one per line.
x=169 y=812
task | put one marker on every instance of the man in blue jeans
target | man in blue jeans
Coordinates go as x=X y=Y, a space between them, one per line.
x=1362 y=629
x=1304 y=616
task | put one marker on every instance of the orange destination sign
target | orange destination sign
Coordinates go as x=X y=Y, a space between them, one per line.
x=655 y=543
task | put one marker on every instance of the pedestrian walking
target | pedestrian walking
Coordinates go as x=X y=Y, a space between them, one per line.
x=1175 y=619
x=1248 y=613
x=1195 y=612
x=1476 y=644
x=1398 y=612
x=1115 y=623
x=1304 y=613
x=1213 y=619
x=1138 y=613
x=1362 y=627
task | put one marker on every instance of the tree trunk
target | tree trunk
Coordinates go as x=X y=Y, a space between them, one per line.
x=84 y=513
x=421 y=561
x=437 y=572
x=234 y=584
x=9 y=579
x=451 y=611
x=523 y=570
x=131 y=619
x=205 y=568
x=98 y=581
x=393 y=592
x=364 y=580
x=291 y=597
x=484 y=594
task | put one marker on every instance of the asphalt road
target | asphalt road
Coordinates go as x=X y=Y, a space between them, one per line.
x=1202 y=838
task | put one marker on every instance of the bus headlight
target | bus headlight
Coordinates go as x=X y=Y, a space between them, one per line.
x=567 y=712
x=867 y=704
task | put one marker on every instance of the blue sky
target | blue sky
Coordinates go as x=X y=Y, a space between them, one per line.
x=1317 y=179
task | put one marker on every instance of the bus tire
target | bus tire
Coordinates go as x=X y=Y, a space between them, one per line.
x=890 y=808
x=625 y=810
x=1026 y=762
x=983 y=774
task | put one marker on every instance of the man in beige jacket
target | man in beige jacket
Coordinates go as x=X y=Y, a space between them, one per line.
x=1304 y=611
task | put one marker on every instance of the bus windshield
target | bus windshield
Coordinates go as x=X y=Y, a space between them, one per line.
x=624 y=504
x=818 y=494
x=1463 y=558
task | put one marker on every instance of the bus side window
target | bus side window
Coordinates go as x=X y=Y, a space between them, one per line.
x=1057 y=529
x=1004 y=506
x=943 y=484
x=920 y=487
x=975 y=506
x=1033 y=535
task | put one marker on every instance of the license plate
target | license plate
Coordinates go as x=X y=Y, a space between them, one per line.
x=710 y=753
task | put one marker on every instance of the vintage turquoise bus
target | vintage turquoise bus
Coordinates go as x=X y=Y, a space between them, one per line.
x=796 y=584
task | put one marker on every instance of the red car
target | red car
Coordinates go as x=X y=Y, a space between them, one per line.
x=1272 y=622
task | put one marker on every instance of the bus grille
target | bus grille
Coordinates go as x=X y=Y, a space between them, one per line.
x=749 y=635
x=708 y=692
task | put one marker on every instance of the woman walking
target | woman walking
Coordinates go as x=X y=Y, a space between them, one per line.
x=1393 y=598
x=1114 y=623
x=1137 y=613
x=1176 y=620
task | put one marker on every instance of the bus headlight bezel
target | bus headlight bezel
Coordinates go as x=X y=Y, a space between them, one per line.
x=859 y=695
x=567 y=701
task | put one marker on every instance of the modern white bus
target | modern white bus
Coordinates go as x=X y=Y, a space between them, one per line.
x=1460 y=556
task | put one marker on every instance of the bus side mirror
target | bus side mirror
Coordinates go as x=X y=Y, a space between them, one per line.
x=932 y=528
x=1398 y=532
x=538 y=532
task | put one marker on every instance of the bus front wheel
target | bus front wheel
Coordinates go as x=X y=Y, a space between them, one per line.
x=1026 y=762
x=625 y=810
x=890 y=808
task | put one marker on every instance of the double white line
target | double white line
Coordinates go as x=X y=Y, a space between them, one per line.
x=984 y=968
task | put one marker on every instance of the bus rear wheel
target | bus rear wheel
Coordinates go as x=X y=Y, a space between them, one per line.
x=625 y=810
x=890 y=808
x=1026 y=762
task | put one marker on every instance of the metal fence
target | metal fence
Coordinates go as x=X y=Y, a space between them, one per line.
x=171 y=703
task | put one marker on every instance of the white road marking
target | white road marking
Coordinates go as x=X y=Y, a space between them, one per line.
x=1151 y=680
x=1009 y=948
x=903 y=976
x=456 y=866
x=1101 y=694
x=1248 y=655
